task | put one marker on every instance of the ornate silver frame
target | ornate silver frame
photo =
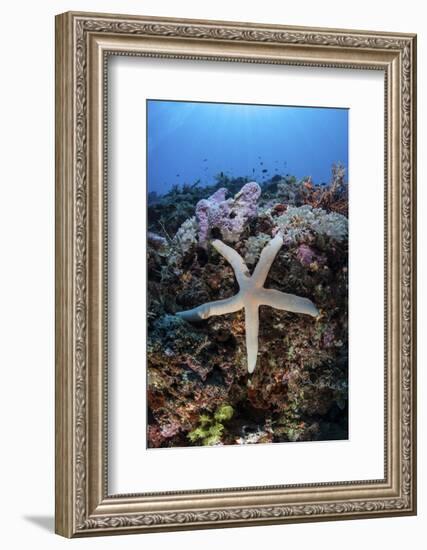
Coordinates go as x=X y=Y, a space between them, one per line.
x=83 y=42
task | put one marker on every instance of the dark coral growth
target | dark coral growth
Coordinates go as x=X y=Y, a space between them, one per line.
x=199 y=390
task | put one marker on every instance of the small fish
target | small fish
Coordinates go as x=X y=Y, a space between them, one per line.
x=178 y=176
x=265 y=171
x=261 y=163
x=253 y=170
x=205 y=160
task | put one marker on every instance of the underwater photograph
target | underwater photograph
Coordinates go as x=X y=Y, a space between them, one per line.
x=247 y=274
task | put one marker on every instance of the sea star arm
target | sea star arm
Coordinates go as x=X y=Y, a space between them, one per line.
x=252 y=329
x=268 y=254
x=236 y=261
x=288 y=302
x=219 y=307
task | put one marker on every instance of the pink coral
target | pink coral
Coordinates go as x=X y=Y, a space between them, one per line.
x=305 y=255
x=156 y=241
x=170 y=430
x=209 y=212
x=328 y=337
x=154 y=436
x=229 y=216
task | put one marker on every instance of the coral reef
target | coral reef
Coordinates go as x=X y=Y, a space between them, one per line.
x=227 y=216
x=299 y=223
x=299 y=388
x=186 y=236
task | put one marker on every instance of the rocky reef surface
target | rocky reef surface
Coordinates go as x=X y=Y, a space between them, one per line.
x=199 y=389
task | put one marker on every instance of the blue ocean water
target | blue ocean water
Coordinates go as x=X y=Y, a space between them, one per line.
x=190 y=141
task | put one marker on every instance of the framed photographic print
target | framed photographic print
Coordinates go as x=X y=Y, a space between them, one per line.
x=235 y=274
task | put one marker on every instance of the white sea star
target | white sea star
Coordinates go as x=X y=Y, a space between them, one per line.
x=251 y=295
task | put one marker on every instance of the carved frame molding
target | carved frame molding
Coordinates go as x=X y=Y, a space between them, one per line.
x=83 y=43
